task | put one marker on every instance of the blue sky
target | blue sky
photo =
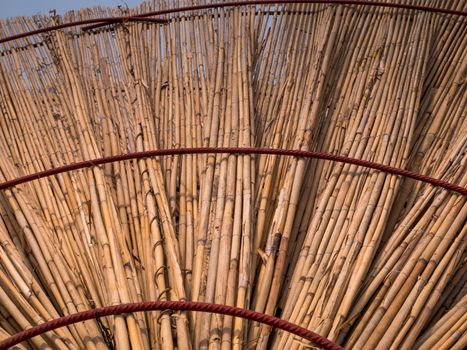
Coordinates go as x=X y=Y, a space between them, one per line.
x=10 y=8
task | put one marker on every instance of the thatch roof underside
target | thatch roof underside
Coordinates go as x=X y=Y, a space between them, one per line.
x=364 y=258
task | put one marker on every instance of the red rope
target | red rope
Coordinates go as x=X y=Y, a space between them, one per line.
x=109 y=20
x=172 y=305
x=101 y=21
x=284 y=2
x=236 y=150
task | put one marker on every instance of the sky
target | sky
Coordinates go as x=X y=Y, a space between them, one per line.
x=10 y=8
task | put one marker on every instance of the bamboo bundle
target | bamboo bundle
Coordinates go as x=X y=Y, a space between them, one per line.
x=364 y=258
